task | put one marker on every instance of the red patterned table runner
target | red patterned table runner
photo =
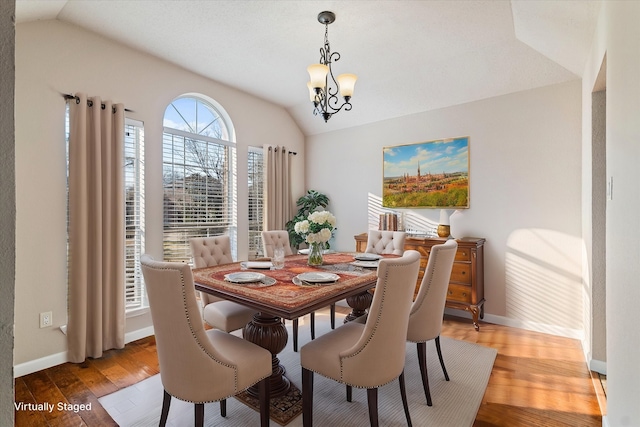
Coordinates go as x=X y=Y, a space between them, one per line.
x=284 y=296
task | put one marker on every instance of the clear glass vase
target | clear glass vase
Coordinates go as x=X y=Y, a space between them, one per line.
x=315 y=254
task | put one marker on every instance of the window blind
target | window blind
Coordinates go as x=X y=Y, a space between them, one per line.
x=199 y=191
x=135 y=295
x=256 y=201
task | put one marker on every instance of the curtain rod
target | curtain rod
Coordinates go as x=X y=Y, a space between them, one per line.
x=89 y=102
x=276 y=149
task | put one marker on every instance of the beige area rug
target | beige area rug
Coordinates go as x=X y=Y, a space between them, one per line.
x=455 y=403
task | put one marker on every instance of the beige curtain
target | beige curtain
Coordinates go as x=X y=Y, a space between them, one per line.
x=277 y=188
x=96 y=227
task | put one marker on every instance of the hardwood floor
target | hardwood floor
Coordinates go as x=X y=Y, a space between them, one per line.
x=537 y=380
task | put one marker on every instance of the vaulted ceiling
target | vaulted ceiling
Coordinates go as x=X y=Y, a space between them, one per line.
x=410 y=56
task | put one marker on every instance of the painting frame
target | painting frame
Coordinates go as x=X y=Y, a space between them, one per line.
x=427 y=175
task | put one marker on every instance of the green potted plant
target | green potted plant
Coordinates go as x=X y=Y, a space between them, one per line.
x=306 y=204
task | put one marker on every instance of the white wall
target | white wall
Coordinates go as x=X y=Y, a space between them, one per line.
x=525 y=181
x=53 y=58
x=618 y=36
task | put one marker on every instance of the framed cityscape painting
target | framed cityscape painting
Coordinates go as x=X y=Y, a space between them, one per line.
x=433 y=174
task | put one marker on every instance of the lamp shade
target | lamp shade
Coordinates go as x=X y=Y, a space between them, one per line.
x=312 y=92
x=318 y=75
x=444 y=217
x=347 y=82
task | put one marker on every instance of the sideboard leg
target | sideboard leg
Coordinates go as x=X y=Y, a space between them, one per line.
x=475 y=312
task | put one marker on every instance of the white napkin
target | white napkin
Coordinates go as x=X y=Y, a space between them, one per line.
x=259 y=264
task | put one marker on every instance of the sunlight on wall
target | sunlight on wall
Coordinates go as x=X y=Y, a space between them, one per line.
x=543 y=278
x=408 y=221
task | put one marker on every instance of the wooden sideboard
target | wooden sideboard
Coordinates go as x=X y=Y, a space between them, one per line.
x=466 y=286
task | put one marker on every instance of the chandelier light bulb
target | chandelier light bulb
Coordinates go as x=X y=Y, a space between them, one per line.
x=347 y=82
x=318 y=75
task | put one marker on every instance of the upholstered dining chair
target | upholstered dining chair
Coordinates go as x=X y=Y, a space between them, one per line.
x=385 y=242
x=367 y=354
x=427 y=311
x=196 y=365
x=221 y=314
x=273 y=239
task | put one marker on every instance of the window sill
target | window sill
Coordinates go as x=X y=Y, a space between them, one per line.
x=136 y=312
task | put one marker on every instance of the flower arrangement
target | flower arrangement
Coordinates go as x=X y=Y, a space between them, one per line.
x=316 y=230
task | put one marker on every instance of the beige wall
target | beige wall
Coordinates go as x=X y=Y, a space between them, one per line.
x=7 y=210
x=525 y=178
x=53 y=58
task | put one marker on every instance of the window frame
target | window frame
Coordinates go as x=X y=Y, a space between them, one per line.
x=176 y=247
x=132 y=263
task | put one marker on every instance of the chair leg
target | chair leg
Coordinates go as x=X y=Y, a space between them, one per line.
x=223 y=408
x=295 y=335
x=372 y=400
x=166 y=402
x=307 y=398
x=264 y=391
x=199 y=419
x=313 y=325
x=349 y=393
x=332 y=309
x=444 y=370
x=422 y=362
x=403 y=393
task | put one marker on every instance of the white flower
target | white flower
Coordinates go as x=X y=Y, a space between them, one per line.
x=324 y=235
x=320 y=217
x=317 y=228
x=302 y=227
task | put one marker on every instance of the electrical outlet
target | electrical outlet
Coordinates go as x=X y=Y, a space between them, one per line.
x=46 y=319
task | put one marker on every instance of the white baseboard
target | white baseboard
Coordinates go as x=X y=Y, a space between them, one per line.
x=51 y=360
x=526 y=325
x=598 y=366
x=36 y=365
x=605 y=423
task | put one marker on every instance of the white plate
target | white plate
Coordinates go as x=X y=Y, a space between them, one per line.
x=367 y=264
x=367 y=257
x=244 y=277
x=314 y=277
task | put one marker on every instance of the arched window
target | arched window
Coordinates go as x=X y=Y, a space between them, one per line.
x=199 y=174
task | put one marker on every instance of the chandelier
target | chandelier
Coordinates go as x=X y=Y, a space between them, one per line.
x=322 y=91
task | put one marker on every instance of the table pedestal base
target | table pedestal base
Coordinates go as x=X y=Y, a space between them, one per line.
x=359 y=304
x=268 y=332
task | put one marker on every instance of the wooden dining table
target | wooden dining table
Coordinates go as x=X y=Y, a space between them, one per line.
x=277 y=297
